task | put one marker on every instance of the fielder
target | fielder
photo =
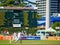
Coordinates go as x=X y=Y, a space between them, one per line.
x=14 y=36
x=18 y=37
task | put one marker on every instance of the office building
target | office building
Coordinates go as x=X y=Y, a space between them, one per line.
x=41 y=4
x=54 y=7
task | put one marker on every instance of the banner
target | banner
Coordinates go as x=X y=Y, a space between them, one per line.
x=30 y=37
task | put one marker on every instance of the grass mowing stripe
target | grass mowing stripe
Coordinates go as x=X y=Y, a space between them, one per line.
x=32 y=42
x=29 y=44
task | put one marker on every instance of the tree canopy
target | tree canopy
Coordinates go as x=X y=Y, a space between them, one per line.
x=57 y=24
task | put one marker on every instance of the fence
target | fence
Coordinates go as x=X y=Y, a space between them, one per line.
x=6 y=37
x=53 y=38
x=29 y=38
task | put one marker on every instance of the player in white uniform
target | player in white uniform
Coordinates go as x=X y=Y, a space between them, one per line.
x=18 y=36
x=14 y=36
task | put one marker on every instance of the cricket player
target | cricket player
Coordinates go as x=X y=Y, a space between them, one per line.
x=14 y=36
x=18 y=37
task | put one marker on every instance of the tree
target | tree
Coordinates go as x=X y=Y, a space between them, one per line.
x=26 y=19
x=57 y=24
x=2 y=18
x=12 y=3
x=38 y=16
x=7 y=3
x=19 y=1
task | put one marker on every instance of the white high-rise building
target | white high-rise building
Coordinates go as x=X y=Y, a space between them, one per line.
x=54 y=7
x=41 y=4
x=48 y=8
x=44 y=10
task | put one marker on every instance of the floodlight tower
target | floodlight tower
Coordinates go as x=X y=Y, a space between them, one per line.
x=47 y=14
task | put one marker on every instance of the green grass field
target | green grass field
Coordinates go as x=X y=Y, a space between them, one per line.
x=31 y=42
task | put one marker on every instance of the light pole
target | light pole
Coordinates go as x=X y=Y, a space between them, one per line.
x=47 y=14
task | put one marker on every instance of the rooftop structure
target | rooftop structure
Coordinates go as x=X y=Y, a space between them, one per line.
x=18 y=8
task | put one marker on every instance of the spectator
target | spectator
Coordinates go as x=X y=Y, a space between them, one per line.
x=30 y=34
x=7 y=33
